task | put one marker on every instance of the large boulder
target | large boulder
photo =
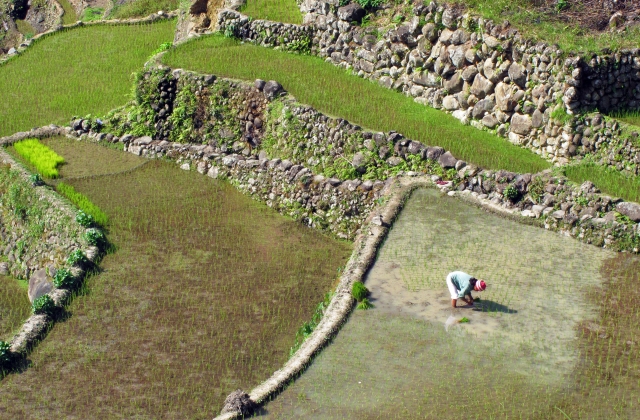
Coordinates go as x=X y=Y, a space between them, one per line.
x=272 y=90
x=351 y=12
x=39 y=285
x=631 y=210
x=482 y=107
x=517 y=74
x=508 y=96
x=481 y=86
x=447 y=160
x=521 y=124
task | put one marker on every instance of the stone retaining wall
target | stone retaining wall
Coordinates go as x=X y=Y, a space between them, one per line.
x=327 y=172
x=36 y=242
x=486 y=75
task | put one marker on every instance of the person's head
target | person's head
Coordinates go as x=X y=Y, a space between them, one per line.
x=478 y=285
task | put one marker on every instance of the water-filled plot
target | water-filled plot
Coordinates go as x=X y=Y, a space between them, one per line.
x=540 y=343
x=203 y=294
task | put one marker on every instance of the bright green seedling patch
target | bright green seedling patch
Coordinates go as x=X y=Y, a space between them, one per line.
x=45 y=160
x=359 y=291
x=463 y=320
x=88 y=209
x=334 y=92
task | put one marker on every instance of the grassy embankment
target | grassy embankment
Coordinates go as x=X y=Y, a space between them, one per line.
x=548 y=26
x=44 y=86
x=142 y=8
x=286 y=11
x=332 y=91
x=203 y=295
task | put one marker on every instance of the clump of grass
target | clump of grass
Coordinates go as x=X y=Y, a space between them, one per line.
x=40 y=156
x=359 y=291
x=69 y=17
x=365 y=304
x=309 y=326
x=463 y=320
x=92 y=13
x=43 y=305
x=43 y=85
x=334 y=92
x=285 y=11
x=83 y=203
x=608 y=180
x=142 y=8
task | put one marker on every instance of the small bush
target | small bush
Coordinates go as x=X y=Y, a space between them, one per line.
x=43 y=305
x=84 y=219
x=510 y=193
x=87 y=208
x=5 y=354
x=63 y=278
x=94 y=237
x=36 y=180
x=77 y=257
x=365 y=304
x=359 y=291
x=40 y=156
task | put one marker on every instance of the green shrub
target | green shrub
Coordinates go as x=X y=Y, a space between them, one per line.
x=6 y=357
x=94 y=237
x=36 y=180
x=359 y=291
x=40 y=156
x=77 y=257
x=368 y=4
x=365 y=304
x=63 y=278
x=510 y=193
x=87 y=208
x=84 y=219
x=43 y=305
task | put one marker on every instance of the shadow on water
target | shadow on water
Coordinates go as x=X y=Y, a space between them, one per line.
x=491 y=306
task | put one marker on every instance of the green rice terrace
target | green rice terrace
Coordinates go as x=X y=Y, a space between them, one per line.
x=147 y=278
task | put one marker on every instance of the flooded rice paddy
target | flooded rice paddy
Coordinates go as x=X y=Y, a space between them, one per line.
x=529 y=350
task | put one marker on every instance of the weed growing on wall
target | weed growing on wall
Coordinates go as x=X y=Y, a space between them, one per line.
x=40 y=156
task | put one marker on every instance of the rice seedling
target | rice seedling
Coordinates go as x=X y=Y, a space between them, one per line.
x=45 y=85
x=40 y=156
x=610 y=181
x=286 y=11
x=631 y=116
x=83 y=203
x=15 y=307
x=364 y=304
x=359 y=291
x=332 y=91
x=203 y=294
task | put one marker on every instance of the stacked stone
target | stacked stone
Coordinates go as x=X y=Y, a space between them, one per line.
x=486 y=75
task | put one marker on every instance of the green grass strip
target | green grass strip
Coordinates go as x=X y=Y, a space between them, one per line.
x=609 y=180
x=334 y=92
x=40 y=156
x=628 y=116
x=50 y=84
x=285 y=11
x=83 y=203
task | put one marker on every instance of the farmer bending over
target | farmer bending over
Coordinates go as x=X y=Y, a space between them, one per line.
x=460 y=285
